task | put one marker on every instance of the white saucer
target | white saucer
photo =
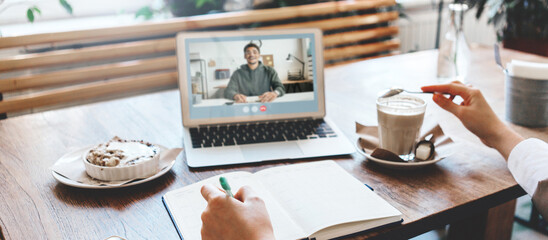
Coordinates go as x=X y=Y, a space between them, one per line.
x=397 y=165
x=62 y=179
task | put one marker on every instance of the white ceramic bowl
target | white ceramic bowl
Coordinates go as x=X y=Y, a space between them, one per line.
x=142 y=169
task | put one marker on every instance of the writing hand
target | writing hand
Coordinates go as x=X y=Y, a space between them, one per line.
x=268 y=97
x=242 y=217
x=240 y=98
x=476 y=115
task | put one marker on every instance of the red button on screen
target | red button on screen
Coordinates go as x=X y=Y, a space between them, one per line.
x=263 y=108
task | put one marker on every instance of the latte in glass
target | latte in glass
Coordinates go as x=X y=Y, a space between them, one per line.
x=400 y=119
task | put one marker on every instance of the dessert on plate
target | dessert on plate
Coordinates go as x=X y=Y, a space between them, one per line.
x=120 y=159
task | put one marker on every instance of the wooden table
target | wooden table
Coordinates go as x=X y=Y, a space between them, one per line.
x=459 y=189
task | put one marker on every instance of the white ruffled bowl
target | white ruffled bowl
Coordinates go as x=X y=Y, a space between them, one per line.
x=140 y=170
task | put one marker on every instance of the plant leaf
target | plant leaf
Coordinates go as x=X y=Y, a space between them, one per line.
x=481 y=7
x=36 y=9
x=66 y=5
x=30 y=15
x=200 y=3
x=494 y=6
x=146 y=12
x=513 y=3
x=499 y=21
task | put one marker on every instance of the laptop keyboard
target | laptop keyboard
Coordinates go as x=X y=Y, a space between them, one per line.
x=261 y=132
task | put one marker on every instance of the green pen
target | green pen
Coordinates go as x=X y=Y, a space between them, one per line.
x=226 y=187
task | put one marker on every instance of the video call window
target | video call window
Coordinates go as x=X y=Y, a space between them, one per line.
x=264 y=71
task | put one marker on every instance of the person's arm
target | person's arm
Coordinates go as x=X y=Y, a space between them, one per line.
x=240 y=98
x=276 y=85
x=232 y=89
x=242 y=217
x=528 y=163
x=476 y=115
x=540 y=198
x=527 y=159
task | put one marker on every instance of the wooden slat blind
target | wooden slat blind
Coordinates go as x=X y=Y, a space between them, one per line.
x=343 y=22
x=87 y=74
x=87 y=54
x=356 y=36
x=353 y=30
x=90 y=91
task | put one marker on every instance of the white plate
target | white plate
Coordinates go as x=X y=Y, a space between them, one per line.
x=73 y=183
x=397 y=165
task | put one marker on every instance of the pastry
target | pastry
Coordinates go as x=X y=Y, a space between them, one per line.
x=120 y=159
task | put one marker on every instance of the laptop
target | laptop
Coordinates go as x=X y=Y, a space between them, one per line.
x=282 y=112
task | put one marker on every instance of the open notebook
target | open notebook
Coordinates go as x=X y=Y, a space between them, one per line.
x=310 y=200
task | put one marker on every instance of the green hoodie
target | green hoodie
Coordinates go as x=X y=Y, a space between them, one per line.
x=254 y=82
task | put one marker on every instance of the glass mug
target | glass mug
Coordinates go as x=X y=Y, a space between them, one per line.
x=400 y=119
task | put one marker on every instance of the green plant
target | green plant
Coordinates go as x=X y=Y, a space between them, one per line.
x=197 y=7
x=180 y=8
x=516 y=18
x=148 y=12
x=31 y=11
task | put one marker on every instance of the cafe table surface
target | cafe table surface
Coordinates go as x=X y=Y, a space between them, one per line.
x=472 y=189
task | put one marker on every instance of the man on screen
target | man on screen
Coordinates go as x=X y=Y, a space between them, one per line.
x=254 y=79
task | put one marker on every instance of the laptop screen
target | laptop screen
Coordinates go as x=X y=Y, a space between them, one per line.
x=248 y=75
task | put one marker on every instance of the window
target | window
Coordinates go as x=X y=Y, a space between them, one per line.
x=14 y=11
